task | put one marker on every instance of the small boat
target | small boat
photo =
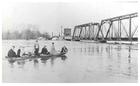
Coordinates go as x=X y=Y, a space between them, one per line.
x=18 y=58
x=42 y=56
x=53 y=56
x=34 y=56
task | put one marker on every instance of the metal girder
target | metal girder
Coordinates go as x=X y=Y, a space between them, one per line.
x=134 y=30
x=121 y=17
x=99 y=30
x=74 y=32
x=108 y=30
x=130 y=27
x=87 y=24
x=83 y=26
x=110 y=21
x=124 y=29
x=80 y=32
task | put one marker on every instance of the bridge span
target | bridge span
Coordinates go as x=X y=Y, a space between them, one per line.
x=121 y=28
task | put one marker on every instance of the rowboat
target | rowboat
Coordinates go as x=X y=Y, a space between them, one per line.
x=42 y=56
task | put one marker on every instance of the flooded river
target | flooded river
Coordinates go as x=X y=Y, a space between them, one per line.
x=84 y=62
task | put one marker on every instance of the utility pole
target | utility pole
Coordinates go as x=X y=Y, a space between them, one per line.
x=52 y=34
x=61 y=29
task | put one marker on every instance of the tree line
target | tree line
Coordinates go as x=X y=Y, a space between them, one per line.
x=24 y=34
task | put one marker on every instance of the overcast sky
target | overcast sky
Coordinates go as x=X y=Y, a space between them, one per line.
x=51 y=16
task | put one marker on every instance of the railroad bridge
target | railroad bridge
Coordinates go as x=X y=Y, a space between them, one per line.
x=111 y=29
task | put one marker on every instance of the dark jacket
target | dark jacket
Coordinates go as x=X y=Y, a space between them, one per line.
x=18 y=53
x=11 y=53
x=64 y=50
x=44 y=51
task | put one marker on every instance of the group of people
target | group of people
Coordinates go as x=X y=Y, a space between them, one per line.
x=44 y=51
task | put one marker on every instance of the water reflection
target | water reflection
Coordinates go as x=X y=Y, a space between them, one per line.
x=118 y=49
x=43 y=61
x=109 y=59
x=116 y=62
x=129 y=61
x=63 y=58
x=21 y=63
x=11 y=62
x=35 y=61
x=52 y=59
x=88 y=50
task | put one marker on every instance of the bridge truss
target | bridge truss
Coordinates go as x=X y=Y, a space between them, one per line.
x=116 y=28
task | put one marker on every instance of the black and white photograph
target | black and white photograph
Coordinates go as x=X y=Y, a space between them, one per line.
x=70 y=42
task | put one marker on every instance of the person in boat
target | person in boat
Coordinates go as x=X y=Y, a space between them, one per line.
x=44 y=50
x=36 y=47
x=27 y=54
x=18 y=52
x=23 y=52
x=64 y=50
x=53 y=51
x=11 y=52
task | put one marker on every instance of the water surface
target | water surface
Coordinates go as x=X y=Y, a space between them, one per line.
x=84 y=62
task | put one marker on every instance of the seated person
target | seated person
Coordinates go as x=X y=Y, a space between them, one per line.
x=11 y=52
x=18 y=52
x=64 y=50
x=36 y=48
x=44 y=50
x=22 y=51
x=30 y=54
x=26 y=54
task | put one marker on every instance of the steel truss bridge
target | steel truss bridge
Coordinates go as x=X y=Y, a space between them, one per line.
x=111 y=29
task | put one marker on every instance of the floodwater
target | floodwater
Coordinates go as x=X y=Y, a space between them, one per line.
x=84 y=62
